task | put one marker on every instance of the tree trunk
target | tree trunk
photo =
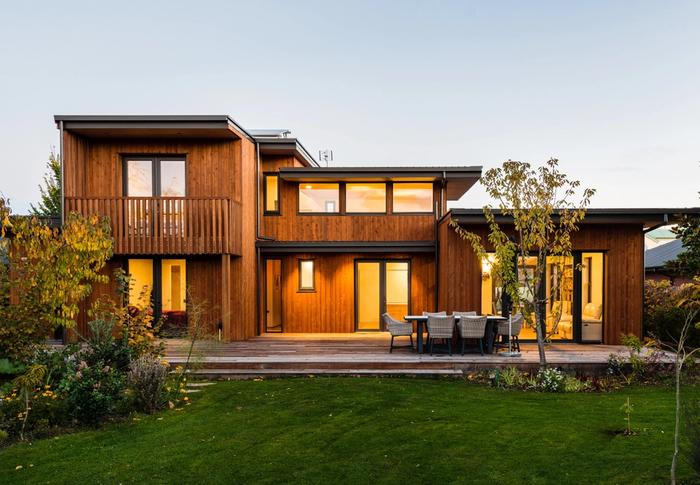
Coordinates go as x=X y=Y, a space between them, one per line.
x=540 y=326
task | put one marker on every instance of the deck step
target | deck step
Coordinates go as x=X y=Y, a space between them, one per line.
x=251 y=373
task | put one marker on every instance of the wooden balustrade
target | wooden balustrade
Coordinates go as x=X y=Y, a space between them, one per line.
x=167 y=225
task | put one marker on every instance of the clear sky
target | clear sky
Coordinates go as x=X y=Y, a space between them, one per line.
x=610 y=88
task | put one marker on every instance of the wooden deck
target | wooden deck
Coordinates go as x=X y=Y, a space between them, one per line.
x=367 y=354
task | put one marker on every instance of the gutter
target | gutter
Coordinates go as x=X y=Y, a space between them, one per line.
x=656 y=226
x=63 y=173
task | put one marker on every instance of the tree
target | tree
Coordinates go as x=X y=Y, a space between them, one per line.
x=46 y=274
x=688 y=262
x=50 y=203
x=544 y=217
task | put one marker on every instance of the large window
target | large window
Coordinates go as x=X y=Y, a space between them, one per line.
x=154 y=176
x=563 y=285
x=413 y=197
x=307 y=280
x=365 y=197
x=319 y=198
x=272 y=194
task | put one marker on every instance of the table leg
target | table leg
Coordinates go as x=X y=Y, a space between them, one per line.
x=419 y=337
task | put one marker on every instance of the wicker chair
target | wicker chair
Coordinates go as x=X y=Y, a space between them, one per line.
x=432 y=314
x=441 y=328
x=514 y=330
x=472 y=327
x=397 y=329
x=465 y=314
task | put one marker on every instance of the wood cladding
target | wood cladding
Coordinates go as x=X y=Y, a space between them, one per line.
x=289 y=225
x=459 y=273
x=331 y=307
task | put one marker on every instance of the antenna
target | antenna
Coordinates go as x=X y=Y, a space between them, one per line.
x=325 y=156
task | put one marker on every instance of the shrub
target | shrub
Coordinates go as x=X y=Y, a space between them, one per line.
x=665 y=309
x=510 y=377
x=551 y=380
x=146 y=380
x=94 y=392
x=573 y=384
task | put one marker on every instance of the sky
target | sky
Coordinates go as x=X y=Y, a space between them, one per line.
x=611 y=89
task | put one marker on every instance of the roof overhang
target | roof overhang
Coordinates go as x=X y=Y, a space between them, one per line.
x=460 y=179
x=285 y=146
x=153 y=126
x=648 y=218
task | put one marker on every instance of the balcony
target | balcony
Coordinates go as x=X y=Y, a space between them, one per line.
x=167 y=225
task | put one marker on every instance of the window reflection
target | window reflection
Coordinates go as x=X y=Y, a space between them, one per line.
x=365 y=197
x=172 y=178
x=592 y=297
x=139 y=178
x=413 y=197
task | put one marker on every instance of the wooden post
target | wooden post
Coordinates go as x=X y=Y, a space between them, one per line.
x=226 y=296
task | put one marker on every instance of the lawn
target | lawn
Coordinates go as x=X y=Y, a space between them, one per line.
x=367 y=430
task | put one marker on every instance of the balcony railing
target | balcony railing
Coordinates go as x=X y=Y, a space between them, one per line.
x=166 y=225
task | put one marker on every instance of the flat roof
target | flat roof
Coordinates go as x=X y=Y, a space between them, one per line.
x=460 y=179
x=646 y=216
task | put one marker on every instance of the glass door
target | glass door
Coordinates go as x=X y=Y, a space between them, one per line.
x=367 y=294
x=380 y=286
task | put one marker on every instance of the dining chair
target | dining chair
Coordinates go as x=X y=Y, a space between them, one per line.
x=472 y=327
x=512 y=331
x=397 y=329
x=441 y=327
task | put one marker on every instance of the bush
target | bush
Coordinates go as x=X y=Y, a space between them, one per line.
x=551 y=380
x=146 y=380
x=94 y=392
x=666 y=307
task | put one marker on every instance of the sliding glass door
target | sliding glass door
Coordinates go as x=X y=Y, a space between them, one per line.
x=380 y=286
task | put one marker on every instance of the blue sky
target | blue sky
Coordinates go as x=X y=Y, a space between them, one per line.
x=609 y=88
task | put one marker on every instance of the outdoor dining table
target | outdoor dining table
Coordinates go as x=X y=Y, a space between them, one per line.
x=490 y=332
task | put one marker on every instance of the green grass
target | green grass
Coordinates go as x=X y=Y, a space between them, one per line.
x=368 y=431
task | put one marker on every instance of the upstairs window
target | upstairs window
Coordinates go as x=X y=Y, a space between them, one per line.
x=272 y=194
x=154 y=177
x=365 y=198
x=319 y=198
x=413 y=197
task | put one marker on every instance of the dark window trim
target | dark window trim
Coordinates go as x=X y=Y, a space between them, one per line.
x=155 y=170
x=401 y=213
x=336 y=213
x=313 y=276
x=267 y=212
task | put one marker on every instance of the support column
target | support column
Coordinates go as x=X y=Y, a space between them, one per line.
x=226 y=296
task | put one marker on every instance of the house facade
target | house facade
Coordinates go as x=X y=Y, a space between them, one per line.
x=250 y=223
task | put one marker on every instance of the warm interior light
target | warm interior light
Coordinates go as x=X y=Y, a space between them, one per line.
x=307 y=186
x=486 y=264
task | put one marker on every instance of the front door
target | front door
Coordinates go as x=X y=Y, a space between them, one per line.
x=381 y=286
x=273 y=295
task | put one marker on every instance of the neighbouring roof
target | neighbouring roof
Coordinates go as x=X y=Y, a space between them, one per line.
x=460 y=178
x=650 y=217
x=658 y=257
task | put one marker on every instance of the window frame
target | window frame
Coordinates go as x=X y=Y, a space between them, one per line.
x=312 y=288
x=341 y=204
x=267 y=212
x=355 y=213
x=155 y=172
